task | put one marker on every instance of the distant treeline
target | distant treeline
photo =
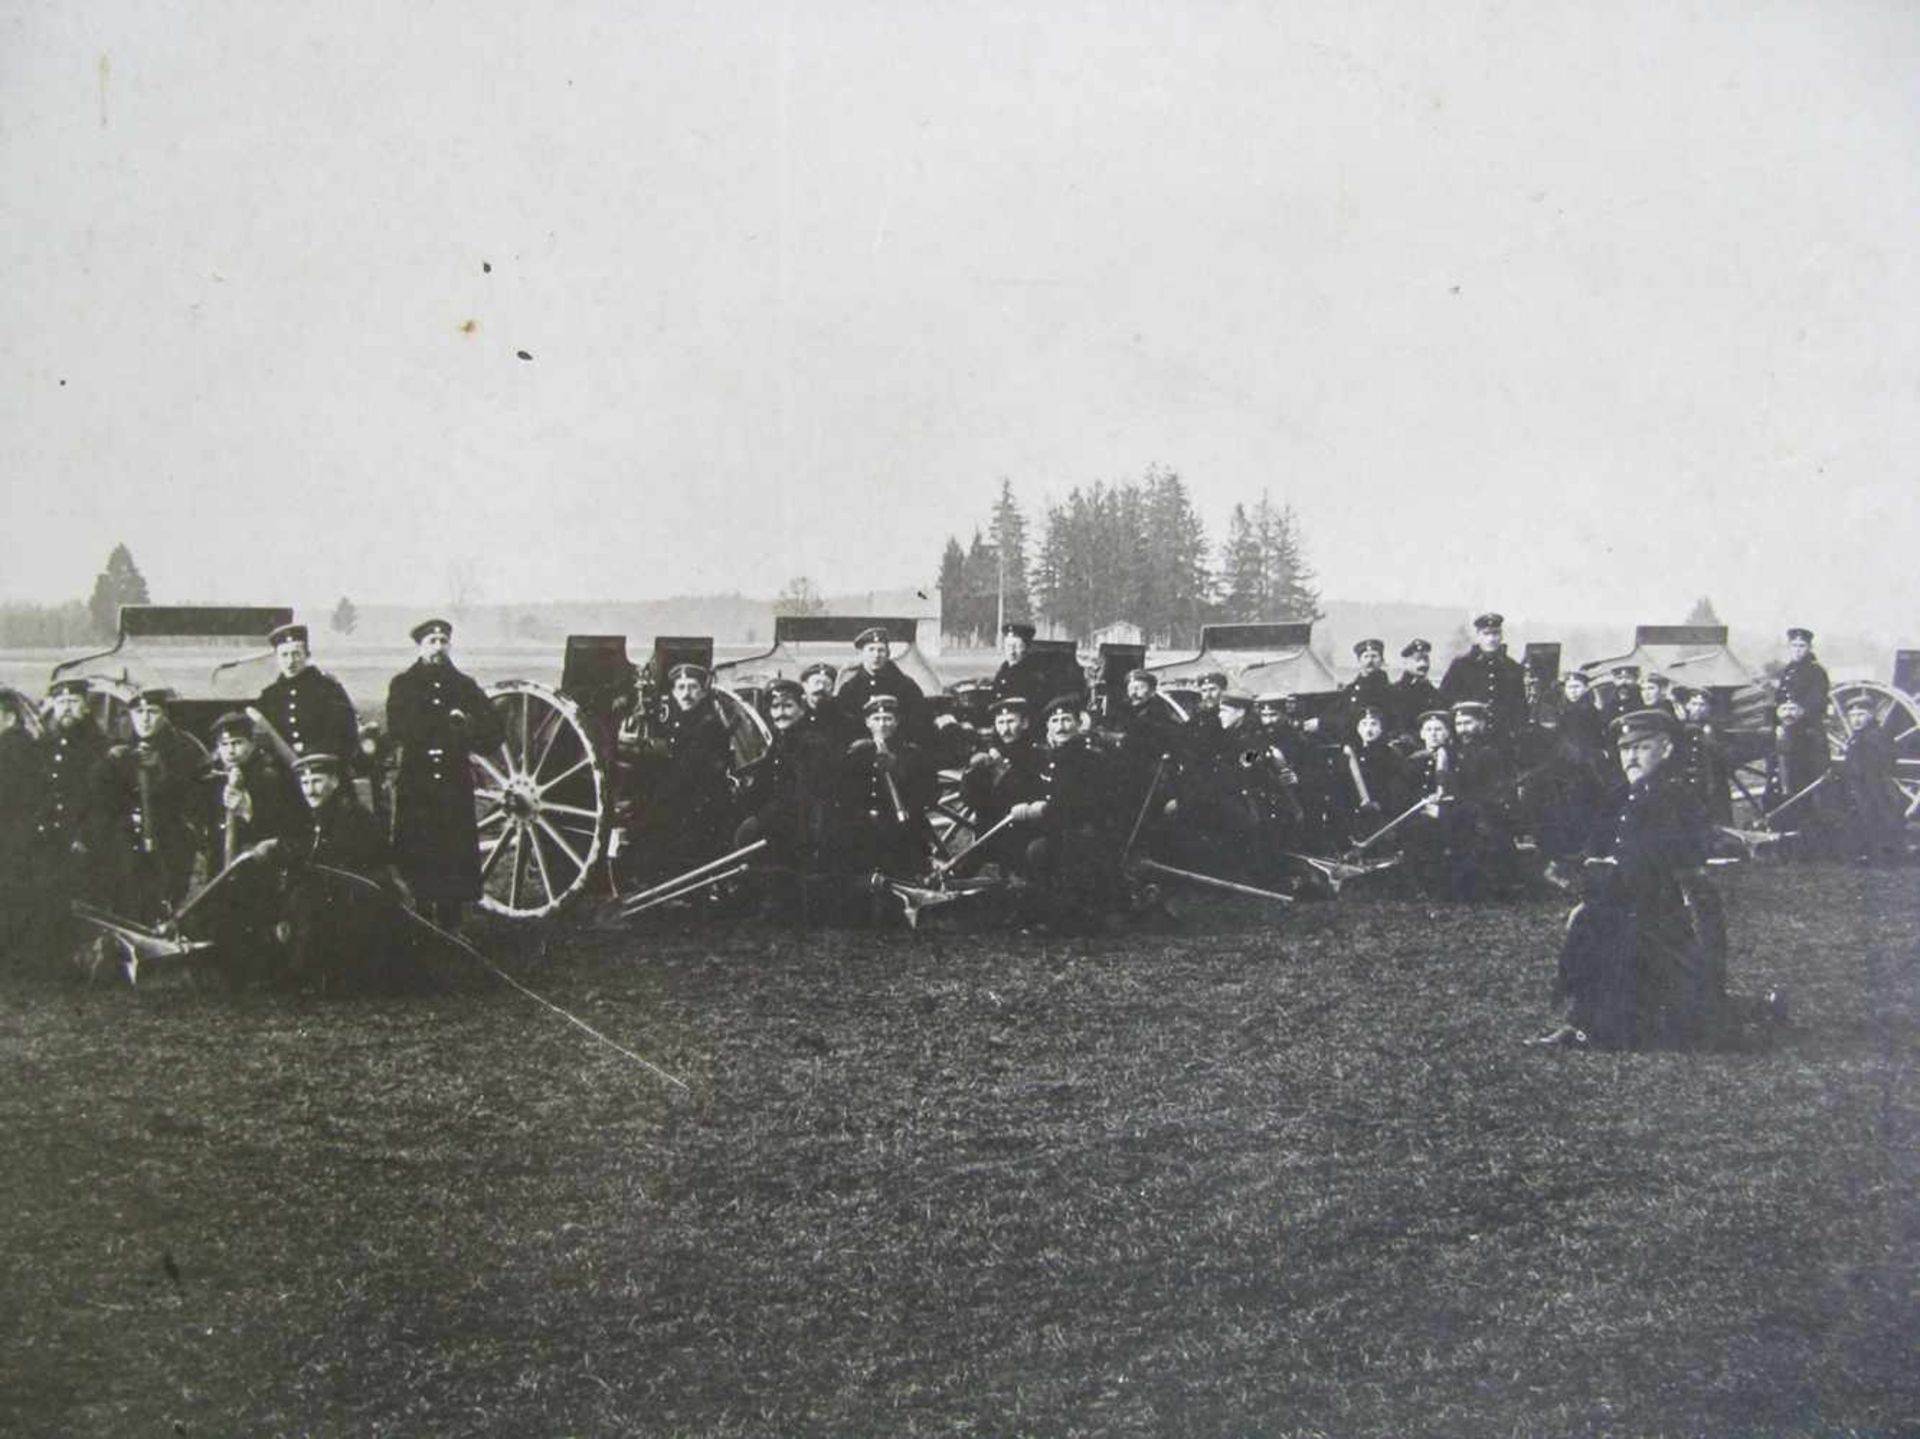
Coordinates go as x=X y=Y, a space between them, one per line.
x=62 y=626
x=1135 y=553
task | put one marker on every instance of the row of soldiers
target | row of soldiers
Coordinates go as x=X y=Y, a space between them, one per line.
x=137 y=828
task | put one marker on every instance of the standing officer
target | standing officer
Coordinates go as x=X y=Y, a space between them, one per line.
x=1623 y=694
x=1018 y=674
x=879 y=675
x=19 y=804
x=1413 y=693
x=787 y=799
x=1800 y=698
x=306 y=709
x=1489 y=675
x=145 y=812
x=1370 y=689
x=69 y=752
x=439 y=717
x=823 y=711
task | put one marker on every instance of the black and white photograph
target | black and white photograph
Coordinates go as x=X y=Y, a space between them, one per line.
x=924 y=719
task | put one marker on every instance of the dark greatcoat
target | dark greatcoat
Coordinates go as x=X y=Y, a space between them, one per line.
x=1643 y=963
x=1875 y=806
x=857 y=687
x=1413 y=696
x=436 y=844
x=20 y=785
x=67 y=762
x=312 y=714
x=144 y=824
x=788 y=796
x=1498 y=681
x=1024 y=680
x=342 y=931
x=875 y=833
x=679 y=790
x=1363 y=692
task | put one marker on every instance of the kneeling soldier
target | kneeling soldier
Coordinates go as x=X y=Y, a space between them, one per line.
x=145 y=820
x=343 y=892
x=885 y=788
x=787 y=798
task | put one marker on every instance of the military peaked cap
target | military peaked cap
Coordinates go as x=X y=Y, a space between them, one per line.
x=67 y=687
x=1379 y=647
x=1491 y=620
x=1152 y=679
x=288 y=634
x=427 y=627
x=1213 y=677
x=318 y=763
x=1416 y=647
x=1441 y=715
x=1477 y=708
x=233 y=722
x=1068 y=704
x=790 y=688
x=1013 y=704
x=699 y=672
x=1644 y=724
x=1625 y=672
x=159 y=696
x=1862 y=700
x=881 y=704
x=1025 y=631
x=819 y=667
x=1796 y=633
x=872 y=635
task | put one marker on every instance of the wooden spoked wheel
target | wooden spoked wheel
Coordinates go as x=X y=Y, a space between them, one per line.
x=1899 y=717
x=540 y=801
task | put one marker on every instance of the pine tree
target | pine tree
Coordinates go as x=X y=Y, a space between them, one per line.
x=1176 y=559
x=1010 y=542
x=953 y=561
x=1703 y=613
x=121 y=583
x=1243 y=570
x=345 y=617
x=1293 y=594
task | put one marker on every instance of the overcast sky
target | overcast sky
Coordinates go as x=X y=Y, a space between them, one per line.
x=1570 y=309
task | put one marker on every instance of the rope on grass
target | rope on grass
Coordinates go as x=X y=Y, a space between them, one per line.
x=466 y=948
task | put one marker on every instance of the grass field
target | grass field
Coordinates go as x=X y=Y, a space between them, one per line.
x=1235 y=1175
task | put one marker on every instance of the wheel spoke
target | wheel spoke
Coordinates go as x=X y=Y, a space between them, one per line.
x=498 y=796
x=567 y=773
x=493 y=772
x=492 y=816
x=526 y=708
x=492 y=856
x=549 y=807
x=519 y=863
x=540 y=863
x=579 y=860
x=552 y=727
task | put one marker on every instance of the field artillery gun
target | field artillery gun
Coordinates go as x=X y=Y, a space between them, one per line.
x=556 y=805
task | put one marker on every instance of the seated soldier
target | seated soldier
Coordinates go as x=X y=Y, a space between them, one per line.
x=258 y=818
x=342 y=921
x=824 y=711
x=1485 y=857
x=1703 y=757
x=1574 y=774
x=1656 y=692
x=787 y=800
x=1001 y=774
x=1067 y=826
x=1643 y=962
x=677 y=783
x=884 y=790
x=1872 y=809
x=145 y=820
x=1377 y=772
x=1428 y=838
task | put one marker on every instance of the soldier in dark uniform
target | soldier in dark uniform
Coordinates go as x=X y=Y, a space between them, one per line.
x=1376 y=778
x=343 y=891
x=69 y=753
x=20 y=782
x=1622 y=696
x=678 y=796
x=439 y=717
x=991 y=782
x=145 y=819
x=1142 y=731
x=1067 y=825
x=1801 y=753
x=1576 y=771
x=306 y=709
x=823 y=711
x=1428 y=838
x=1413 y=693
x=1656 y=693
x=1643 y=963
x=259 y=808
x=1702 y=755
x=787 y=800
x=1370 y=689
x=1018 y=673
x=885 y=788
x=1486 y=862
x=879 y=675
x=1873 y=807
x=1488 y=675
